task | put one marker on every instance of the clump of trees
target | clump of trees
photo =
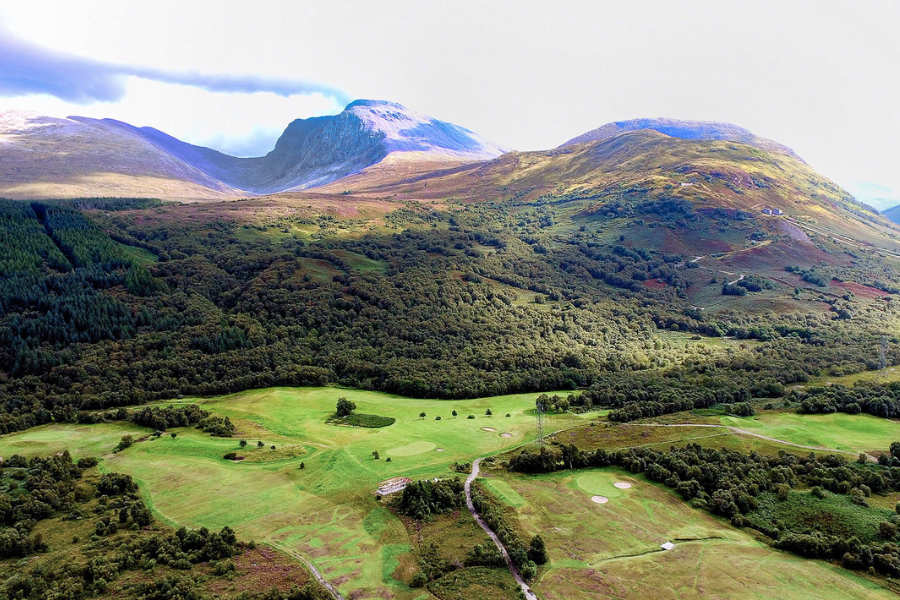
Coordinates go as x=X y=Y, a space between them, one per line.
x=217 y=426
x=424 y=498
x=881 y=400
x=493 y=514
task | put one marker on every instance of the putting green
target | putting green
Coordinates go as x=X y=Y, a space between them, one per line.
x=327 y=511
x=420 y=447
x=602 y=483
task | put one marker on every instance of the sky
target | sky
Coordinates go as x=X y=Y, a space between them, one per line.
x=822 y=77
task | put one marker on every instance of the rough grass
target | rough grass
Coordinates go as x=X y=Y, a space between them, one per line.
x=469 y=583
x=613 y=550
x=325 y=512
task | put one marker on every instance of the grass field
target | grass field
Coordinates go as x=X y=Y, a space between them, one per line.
x=325 y=512
x=80 y=440
x=612 y=550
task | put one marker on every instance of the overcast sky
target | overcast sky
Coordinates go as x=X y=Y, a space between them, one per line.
x=821 y=77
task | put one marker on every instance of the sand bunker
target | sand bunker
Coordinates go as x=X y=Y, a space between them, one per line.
x=622 y=485
x=438 y=449
x=599 y=499
x=491 y=429
x=506 y=435
x=667 y=546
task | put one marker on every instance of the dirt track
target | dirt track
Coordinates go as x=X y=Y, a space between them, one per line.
x=529 y=595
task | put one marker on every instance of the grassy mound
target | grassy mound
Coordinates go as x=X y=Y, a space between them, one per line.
x=363 y=420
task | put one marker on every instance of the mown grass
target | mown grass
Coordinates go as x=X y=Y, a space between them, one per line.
x=79 y=440
x=855 y=433
x=613 y=550
x=327 y=511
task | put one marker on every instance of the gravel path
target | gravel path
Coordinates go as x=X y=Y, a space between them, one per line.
x=529 y=595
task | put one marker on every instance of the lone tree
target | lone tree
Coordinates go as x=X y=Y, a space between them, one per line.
x=422 y=415
x=345 y=407
x=454 y=413
x=243 y=443
x=302 y=465
x=259 y=444
x=174 y=435
x=375 y=454
x=488 y=412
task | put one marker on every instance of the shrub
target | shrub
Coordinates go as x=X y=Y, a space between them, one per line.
x=125 y=442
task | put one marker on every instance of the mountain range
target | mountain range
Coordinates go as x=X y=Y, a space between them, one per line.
x=45 y=156
x=377 y=149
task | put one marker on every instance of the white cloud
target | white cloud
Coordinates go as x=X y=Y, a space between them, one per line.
x=240 y=123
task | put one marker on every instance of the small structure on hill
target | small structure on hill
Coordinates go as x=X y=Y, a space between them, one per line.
x=392 y=485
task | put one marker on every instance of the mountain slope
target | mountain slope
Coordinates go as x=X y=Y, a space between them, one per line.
x=619 y=174
x=309 y=152
x=50 y=157
x=893 y=214
x=687 y=130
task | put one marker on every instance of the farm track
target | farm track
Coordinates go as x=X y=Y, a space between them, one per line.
x=529 y=595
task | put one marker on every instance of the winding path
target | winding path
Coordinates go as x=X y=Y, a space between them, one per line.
x=529 y=595
x=740 y=431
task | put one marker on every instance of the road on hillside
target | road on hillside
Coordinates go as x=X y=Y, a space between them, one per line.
x=529 y=595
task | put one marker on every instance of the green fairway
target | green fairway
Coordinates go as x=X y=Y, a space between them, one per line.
x=79 y=440
x=327 y=511
x=613 y=550
x=854 y=433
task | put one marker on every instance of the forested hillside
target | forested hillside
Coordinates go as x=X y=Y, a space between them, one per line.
x=114 y=302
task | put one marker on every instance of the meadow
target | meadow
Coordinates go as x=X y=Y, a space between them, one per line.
x=613 y=550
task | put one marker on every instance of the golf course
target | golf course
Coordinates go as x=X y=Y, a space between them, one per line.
x=306 y=485
x=325 y=512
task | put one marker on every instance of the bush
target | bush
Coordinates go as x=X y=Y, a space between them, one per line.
x=125 y=442
x=537 y=551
